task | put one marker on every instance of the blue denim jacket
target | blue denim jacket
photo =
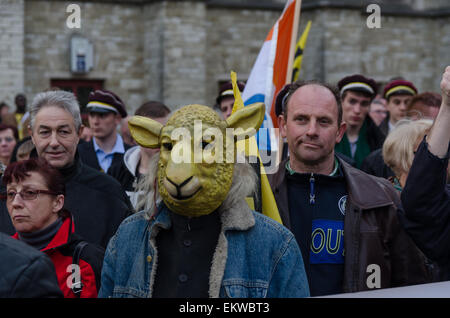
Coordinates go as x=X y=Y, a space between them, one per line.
x=255 y=257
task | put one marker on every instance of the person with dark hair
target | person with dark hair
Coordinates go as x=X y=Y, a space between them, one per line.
x=320 y=197
x=136 y=160
x=25 y=272
x=35 y=200
x=25 y=146
x=106 y=147
x=8 y=140
x=398 y=94
x=426 y=195
x=4 y=110
x=225 y=99
x=362 y=135
x=20 y=118
x=424 y=105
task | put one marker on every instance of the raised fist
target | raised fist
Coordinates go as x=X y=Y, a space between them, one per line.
x=445 y=87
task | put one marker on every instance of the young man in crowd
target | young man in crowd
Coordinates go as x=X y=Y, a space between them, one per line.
x=225 y=100
x=362 y=135
x=398 y=94
x=320 y=197
x=106 y=148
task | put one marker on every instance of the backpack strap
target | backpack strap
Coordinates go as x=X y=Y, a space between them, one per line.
x=77 y=286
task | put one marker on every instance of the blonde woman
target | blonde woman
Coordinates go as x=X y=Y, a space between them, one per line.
x=400 y=146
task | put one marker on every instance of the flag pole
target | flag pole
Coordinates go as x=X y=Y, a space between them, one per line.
x=298 y=4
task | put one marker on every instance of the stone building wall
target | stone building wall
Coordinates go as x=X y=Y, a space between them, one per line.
x=412 y=45
x=11 y=50
x=233 y=43
x=115 y=30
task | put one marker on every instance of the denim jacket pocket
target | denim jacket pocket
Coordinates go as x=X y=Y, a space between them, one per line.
x=238 y=288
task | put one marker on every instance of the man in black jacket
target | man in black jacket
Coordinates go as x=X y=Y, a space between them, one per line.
x=426 y=195
x=25 y=272
x=106 y=149
x=96 y=200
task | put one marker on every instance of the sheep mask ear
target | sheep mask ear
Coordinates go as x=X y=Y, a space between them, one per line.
x=246 y=121
x=145 y=131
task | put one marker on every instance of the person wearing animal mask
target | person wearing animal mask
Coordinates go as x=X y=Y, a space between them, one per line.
x=198 y=237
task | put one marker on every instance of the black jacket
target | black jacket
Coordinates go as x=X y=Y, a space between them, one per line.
x=25 y=272
x=97 y=202
x=374 y=164
x=89 y=157
x=384 y=126
x=426 y=203
x=375 y=137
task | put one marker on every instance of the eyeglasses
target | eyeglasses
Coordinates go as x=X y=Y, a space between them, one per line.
x=25 y=194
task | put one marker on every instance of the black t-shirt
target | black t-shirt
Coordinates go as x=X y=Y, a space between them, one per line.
x=317 y=210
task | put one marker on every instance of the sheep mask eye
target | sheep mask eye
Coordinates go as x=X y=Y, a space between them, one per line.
x=197 y=154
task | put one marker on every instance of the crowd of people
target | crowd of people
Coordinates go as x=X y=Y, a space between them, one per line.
x=100 y=209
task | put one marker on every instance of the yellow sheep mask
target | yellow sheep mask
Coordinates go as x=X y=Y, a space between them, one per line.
x=197 y=154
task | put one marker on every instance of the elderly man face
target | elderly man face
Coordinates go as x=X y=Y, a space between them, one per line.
x=55 y=136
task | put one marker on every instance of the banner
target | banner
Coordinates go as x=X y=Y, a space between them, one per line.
x=299 y=52
x=272 y=70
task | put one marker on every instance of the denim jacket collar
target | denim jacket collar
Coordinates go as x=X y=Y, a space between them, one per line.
x=236 y=217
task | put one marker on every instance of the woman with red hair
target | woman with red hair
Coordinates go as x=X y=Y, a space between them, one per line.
x=35 y=201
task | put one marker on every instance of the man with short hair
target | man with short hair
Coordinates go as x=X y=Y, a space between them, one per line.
x=97 y=202
x=398 y=94
x=362 y=135
x=225 y=100
x=136 y=160
x=106 y=148
x=320 y=197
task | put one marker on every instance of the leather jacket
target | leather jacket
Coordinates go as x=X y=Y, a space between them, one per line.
x=373 y=234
